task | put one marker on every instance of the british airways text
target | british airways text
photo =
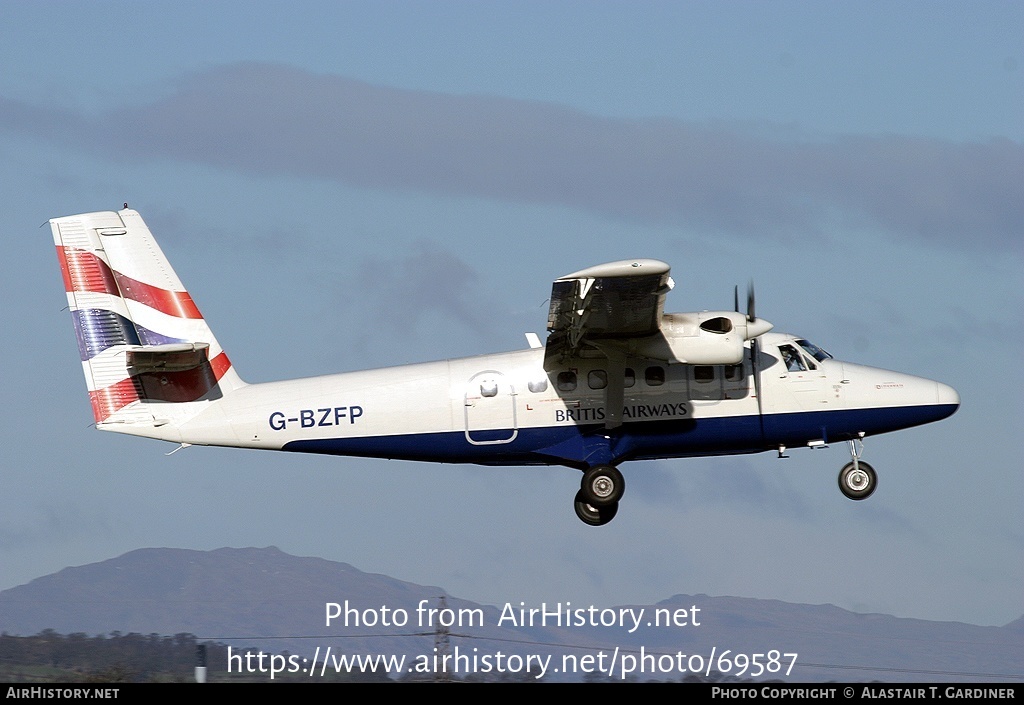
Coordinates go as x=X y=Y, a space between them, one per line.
x=309 y=418
x=630 y=411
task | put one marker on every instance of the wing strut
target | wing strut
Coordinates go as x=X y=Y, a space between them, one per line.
x=615 y=392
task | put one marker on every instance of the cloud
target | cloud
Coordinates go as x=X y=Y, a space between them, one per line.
x=50 y=525
x=271 y=119
x=422 y=294
x=432 y=277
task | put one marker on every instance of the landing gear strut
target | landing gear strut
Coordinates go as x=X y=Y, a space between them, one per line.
x=600 y=491
x=857 y=480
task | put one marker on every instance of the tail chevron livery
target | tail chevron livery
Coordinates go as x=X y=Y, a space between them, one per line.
x=617 y=380
x=148 y=356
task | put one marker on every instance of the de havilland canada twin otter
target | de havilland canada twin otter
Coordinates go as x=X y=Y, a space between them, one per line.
x=617 y=379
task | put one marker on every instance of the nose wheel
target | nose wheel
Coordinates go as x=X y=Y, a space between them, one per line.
x=601 y=489
x=857 y=480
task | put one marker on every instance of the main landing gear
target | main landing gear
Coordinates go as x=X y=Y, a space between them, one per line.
x=600 y=491
x=857 y=480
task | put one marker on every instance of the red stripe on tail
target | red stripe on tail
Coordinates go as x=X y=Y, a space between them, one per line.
x=171 y=387
x=84 y=271
x=173 y=303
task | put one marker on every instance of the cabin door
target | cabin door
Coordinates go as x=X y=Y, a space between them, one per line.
x=490 y=405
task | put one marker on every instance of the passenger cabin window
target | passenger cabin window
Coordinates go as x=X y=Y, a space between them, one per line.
x=566 y=381
x=630 y=378
x=703 y=374
x=734 y=373
x=794 y=362
x=654 y=376
x=489 y=388
x=597 y=379
x=538 y=385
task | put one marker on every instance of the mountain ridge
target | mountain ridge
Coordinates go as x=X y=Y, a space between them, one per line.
x=265 y=598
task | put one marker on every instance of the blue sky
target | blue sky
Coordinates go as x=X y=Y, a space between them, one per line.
x=352 y=185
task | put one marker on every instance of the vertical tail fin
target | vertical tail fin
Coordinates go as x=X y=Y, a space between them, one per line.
x=148 y=356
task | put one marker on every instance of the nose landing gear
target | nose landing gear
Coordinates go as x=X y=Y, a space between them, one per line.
x=857 y=480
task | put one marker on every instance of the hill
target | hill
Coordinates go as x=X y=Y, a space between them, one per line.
x=266 y=599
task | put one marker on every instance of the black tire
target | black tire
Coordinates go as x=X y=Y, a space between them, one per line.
x=857 y=484
x=591 y=515
x=602 y=485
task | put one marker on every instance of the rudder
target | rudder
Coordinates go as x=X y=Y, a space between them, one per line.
x=148 y=355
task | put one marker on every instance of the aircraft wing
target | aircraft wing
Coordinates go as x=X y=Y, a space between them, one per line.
x=617 y=300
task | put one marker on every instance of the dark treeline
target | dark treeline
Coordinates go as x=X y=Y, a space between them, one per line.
x=139 y=658
x=143 y=654
x=118 y=657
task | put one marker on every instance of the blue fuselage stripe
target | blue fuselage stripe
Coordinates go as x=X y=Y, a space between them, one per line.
x=587 y=445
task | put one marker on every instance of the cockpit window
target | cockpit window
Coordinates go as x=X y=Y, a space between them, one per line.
x=794 y=361
x=813 y=350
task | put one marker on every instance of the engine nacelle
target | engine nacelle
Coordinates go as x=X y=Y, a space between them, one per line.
x=704 y=338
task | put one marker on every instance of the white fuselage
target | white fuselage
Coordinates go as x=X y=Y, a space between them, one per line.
x=617 y=379
x=504 y=409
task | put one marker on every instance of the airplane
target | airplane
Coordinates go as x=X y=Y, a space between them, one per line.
x=616 y=380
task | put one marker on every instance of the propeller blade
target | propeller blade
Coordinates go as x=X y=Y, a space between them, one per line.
x=755 y=353
x=755 y=326
x=736 y=298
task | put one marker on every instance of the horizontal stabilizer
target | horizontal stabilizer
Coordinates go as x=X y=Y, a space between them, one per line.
x=173 y=357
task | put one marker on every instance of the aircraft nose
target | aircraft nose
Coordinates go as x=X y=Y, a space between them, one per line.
x=947 y=396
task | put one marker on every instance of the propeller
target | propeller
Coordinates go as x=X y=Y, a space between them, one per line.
x=755 y=328
x=755 y=353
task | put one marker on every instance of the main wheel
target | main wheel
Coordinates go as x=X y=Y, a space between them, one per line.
x=602 y=485
x=857 y=482
x=594 y=516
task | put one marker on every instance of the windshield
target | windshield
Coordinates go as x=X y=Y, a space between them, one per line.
x=813 y=350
